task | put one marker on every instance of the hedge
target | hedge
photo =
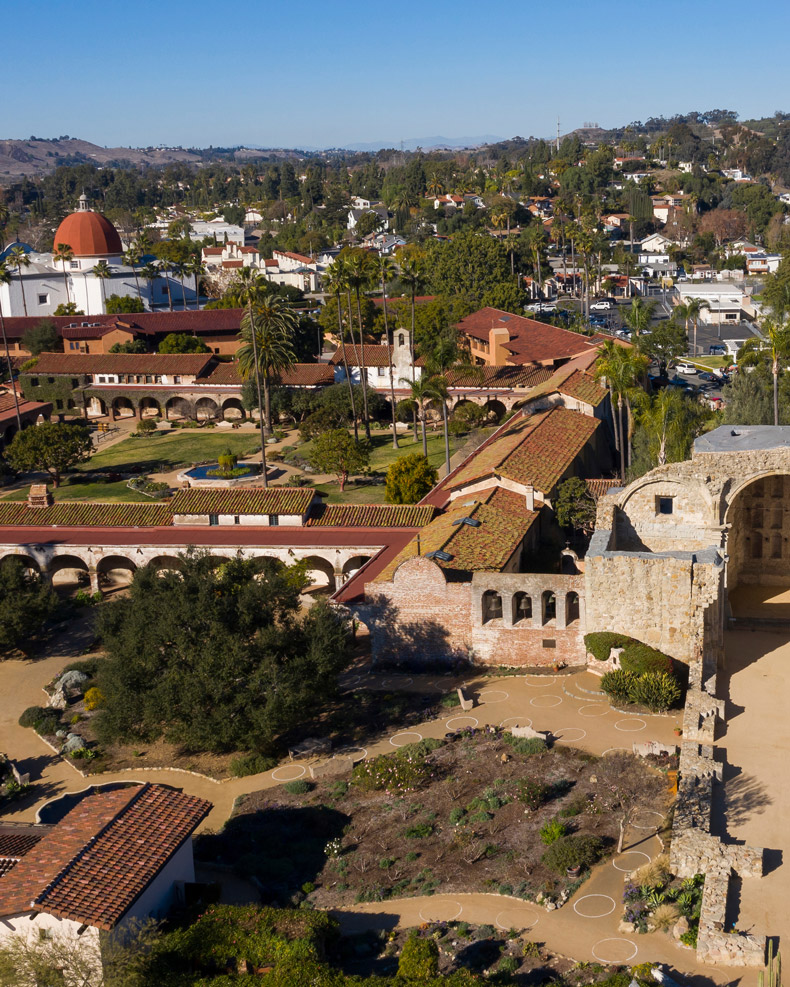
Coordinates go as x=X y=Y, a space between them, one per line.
x=636 y=656
x=656 y=690
x=573 y=851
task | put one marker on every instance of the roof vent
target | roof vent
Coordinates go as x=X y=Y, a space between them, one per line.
x=471 y=521
x=441 y=555
x=469 y=503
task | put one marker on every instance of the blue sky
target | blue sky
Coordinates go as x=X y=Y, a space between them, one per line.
x=329 y=73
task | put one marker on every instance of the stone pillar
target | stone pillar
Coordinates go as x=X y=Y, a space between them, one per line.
x=94 y=578
x=507 y=609
x=339 y=579
x=561 y=610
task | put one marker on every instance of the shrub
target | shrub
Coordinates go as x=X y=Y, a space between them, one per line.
x=48 y=724
x=600 y=643
x=298 y=787
x=618 y=685
x=532 y=793
x=419 y=959
x=419 y=831
x=552 y=831
x=690 y=938
x=94 y=698
x=525 y=745
x=451 y=700
x=656 y=690
x=640 y=658
x=508 y=964
x=32 y=715
x=573 y=851
x=89 y=667
x=402 y=772
x=456 y=815
x=665 y=916
x=145 y=426
x=251 y=764
x=574 y=808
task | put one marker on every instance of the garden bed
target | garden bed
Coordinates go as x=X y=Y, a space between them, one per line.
x=473 y=814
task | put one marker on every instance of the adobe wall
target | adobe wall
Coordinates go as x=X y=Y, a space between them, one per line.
x=422 y=617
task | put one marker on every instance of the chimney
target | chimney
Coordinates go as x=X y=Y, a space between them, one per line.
x=39 y=496
x=498 y=338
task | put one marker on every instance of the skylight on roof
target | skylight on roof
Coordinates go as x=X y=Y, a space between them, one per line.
x=439 y=554
x=471 y=521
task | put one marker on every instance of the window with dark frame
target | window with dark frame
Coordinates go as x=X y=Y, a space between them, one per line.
x=665 y=505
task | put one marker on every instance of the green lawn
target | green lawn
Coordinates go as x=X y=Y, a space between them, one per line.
x=712 y=362
x=118 y=492
x=162 y=452
x=383 y=454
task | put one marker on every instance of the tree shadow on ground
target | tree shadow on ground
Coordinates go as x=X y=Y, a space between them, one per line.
x=413 y=645
x=736 y=799
x=280 y=848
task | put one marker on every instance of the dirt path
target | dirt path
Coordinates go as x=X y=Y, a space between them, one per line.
x=568 y=705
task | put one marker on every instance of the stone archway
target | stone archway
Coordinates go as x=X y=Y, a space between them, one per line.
x=206 y=409
x=321 y=573
x=150 y=408
x=122 y=408
x=233 y=410
x=354 y=564
x=178 y=407
x=69 y=573
x=115 y=572
x=758 y=547
x=495 y=409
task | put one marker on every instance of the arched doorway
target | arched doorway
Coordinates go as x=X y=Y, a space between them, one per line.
x=494 y=409
x=321 y=573
x=149 y=408
x=166 y=563
x=233 y=410
x=178 y=408
x=122 y=408
x=206 y=409
x=69 y=573
x=115 y=572
x=24 y=560
x=353 y=565
x=758 y=548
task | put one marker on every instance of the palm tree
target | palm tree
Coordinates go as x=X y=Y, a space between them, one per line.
x=778 y=337
x=151 y=274
x=359 y=274
x=64 y=253
x=621 y=367
x=197 y=269
x=164 y=272
x=181 y=269
x=249 y=288
x=103 y=271
x=423 y=390
x=132 y=258
x=5 y=278
x=19 y=259
x=335 y=281
x=445 y=363
x=386 y=274
x=694 y=306
x=639 y=316
x=270 y=344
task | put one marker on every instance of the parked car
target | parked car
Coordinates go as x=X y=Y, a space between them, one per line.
x=686 y=368
x=603 y=305
x=598 y=320
x=704 y=375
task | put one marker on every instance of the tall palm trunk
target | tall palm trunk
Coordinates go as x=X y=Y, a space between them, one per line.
x=169 y=293
x=775 y=372
x=349 y=381
x=390 y=343
x=411 y=352
x=362 y=370
x=446 y=424
x=620 y=429
x=22 y=286
x=261 y=421
x=66 y=282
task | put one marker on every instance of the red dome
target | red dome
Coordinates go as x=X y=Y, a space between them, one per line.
x=89 y=234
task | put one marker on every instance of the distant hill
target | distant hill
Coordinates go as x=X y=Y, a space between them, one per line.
x=27 y=158
x=426 y=143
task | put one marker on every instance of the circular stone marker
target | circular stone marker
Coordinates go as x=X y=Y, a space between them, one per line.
x=613 y=750
x=517 y=721
x=435 y=912
x=631 y=724
x=598 y=906
x=630 y=854
x=489 y=696
x=458 y=725
x=539 y=681
x=394 y=681
x=600 y=709
x=546 y=702
x=516 y=918
x=353 y=753
x=289 y=772
x=614 y=950
x=563 y=734
x=404 y=738
x=647 y=812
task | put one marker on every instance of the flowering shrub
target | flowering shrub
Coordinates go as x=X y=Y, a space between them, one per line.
x=93 y=698
x=396 y=774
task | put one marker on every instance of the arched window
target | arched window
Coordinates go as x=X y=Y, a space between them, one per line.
x=401 y=339
x=522 y=607
x=571 y=608
x=549 y=606
x=492 y=605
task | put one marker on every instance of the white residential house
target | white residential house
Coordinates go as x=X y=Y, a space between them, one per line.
x=354 y=216
x=656 y=243
x=727 y=302
x=762 y=263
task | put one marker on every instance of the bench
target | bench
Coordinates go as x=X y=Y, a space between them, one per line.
x=465 y=703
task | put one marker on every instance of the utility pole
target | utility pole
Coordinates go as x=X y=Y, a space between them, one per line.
x=558 y=133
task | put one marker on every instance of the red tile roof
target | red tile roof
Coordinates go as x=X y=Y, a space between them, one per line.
x=583 y=387
x=232 y=263
x=17 y=841
x=486 y=377
x=203 y=321
x=250 y=500
x=84 y=514
x=299 y=375
x=213 y=251
x=292 y=256
x=122 y=363
x=529 y=341
x=504 y=523
x=371 y=516
x=536 y=450
x=600 y=486
x=96 y=862
x=375 y=355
